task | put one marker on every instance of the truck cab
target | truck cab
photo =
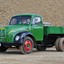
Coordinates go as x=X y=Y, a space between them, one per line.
x=31 y=23
x=21 y=27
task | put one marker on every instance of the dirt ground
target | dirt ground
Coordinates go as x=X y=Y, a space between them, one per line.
x=50 y=56
x=51 y=10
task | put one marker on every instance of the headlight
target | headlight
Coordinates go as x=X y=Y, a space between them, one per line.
x=17 y=38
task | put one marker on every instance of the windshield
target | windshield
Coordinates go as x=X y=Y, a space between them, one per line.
x=20 y=20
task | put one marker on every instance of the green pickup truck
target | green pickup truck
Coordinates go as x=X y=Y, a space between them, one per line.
x=28 y=31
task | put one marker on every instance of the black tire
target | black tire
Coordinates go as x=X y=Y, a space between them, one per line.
x=41 y=48
x=3 y=49
x=57 y=44
x=61 y=44
x=27 y=46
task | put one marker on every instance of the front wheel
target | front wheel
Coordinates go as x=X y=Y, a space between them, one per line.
x=3 y=49
x=27 y=45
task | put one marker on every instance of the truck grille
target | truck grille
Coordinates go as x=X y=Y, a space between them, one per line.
x=2 y=32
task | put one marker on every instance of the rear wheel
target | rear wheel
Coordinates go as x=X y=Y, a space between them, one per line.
x=3 y=49
x=57 y=44
x=61 y=44
x=27 y=46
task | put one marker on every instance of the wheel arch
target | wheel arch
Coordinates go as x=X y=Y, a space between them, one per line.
x=24 y=34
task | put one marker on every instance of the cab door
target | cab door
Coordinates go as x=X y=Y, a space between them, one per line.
x=37 y=28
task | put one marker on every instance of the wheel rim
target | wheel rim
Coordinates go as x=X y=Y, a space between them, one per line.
x=28 y=46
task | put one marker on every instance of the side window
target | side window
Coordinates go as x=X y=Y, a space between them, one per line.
x=13 y=21
x=36 y=20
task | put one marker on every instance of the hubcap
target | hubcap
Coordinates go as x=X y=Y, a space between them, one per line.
x=28 y=46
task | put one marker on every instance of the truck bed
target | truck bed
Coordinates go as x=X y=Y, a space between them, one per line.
x=53 y=30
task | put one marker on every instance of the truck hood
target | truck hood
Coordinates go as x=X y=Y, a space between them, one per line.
x=16 y=28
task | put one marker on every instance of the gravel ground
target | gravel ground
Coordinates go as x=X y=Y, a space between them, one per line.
x=50 y=56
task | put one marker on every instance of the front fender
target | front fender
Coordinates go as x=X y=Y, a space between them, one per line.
x=23 y=34
x=11 y=35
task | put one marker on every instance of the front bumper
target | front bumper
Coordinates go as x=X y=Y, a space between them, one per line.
x=10 y=44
